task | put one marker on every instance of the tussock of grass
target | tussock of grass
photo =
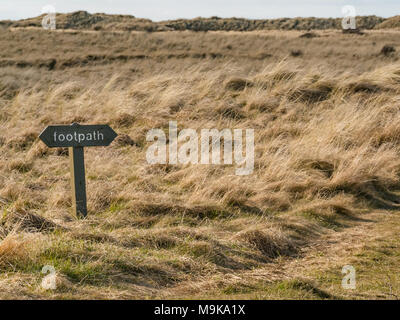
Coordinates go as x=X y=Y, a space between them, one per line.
x=11 y=249
x=123 y=120
x=271 y=243
x=124 y=140
x=27 y=222
x=23 y=141
x=237 y=84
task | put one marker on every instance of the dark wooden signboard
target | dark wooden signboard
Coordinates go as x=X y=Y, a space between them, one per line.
x=76 y=137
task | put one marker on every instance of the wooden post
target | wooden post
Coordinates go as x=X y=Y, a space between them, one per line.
x=78 y=183
x=75 y=137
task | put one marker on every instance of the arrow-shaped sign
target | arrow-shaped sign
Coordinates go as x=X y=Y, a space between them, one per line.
x=77 y=135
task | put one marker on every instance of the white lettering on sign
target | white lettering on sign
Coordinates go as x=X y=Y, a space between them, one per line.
x=79 y=137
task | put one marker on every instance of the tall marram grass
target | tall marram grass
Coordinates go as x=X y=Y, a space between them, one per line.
x=327 y=149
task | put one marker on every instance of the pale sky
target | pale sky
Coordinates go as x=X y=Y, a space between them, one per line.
x=173 y=9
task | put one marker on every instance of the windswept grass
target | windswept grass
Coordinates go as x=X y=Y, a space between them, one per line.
x=326 y=142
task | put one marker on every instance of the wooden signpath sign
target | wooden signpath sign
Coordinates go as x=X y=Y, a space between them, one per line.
x=76 y=137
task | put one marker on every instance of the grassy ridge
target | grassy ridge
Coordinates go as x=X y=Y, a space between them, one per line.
x=83 y=20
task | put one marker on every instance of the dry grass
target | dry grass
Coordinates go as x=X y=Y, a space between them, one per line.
x=326 y=139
